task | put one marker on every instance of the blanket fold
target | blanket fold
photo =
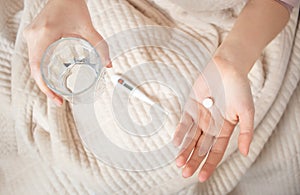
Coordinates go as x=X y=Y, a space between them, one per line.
x=47 y=152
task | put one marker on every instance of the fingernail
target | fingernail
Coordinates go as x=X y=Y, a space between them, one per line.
x=108 y=63
x=57 y=101
x=244 y=151
x=186 y=172
x=180 y=161
x=202 y=176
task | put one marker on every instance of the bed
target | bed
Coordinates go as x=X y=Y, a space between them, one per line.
x=41 y=151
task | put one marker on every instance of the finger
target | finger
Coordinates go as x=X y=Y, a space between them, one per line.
x=201 y=118
x=206 y=143
x=216 y=153
x=37 y=43
x=199 y=113
x=188 y=145
x=213 y=127
x=204 y=118
x=194 y=161
x=182 y=128
x=192 y=107
x=101 y=46
x=44 y=88
x=246 y=120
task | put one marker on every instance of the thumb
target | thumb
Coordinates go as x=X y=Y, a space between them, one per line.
x=246 y=120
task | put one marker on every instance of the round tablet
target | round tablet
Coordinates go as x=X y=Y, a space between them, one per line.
x=207 y=102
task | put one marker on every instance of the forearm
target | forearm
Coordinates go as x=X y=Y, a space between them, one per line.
x=259 y=22
x=69 y=2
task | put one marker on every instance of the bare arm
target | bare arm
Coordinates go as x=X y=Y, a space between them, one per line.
x=258 y=24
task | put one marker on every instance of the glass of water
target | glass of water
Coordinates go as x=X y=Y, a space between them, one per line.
x=72 y=68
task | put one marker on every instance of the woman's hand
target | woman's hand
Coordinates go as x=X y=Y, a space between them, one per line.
x=59 y=18
x=205 y=130
x=224 y=80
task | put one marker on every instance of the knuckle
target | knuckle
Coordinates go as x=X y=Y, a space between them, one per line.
x=217 y=151
x=184 y=153
x=32 y=31
x=193 y=162
x=210 y=164
x=248 y=110
x=247 y=131
x=87 y=29
x=191 y=141
x=43 y=29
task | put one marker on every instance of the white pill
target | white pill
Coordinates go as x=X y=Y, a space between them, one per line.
x=207 y=102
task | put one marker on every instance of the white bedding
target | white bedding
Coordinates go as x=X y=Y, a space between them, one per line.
x=40 y=148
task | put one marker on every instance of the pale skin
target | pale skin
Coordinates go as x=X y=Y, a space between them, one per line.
x=59 y=18
x=258 y=23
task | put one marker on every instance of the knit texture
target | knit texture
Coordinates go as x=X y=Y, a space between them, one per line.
x=42 y=152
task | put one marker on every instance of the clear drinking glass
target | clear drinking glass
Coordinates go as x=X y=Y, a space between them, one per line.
x=71 y=67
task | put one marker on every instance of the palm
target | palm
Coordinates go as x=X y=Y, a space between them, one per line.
x=207 y=130
x=56 y=20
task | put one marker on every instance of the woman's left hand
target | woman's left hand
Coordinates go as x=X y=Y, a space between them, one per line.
x=205 y=130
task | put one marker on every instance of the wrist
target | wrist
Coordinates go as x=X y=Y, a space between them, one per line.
x=234 y=57
x=229 y=67
x=70 y=1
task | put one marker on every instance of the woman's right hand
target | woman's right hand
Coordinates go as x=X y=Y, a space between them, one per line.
x=59 y=18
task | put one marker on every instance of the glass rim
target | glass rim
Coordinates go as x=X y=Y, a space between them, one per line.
x=42 y=66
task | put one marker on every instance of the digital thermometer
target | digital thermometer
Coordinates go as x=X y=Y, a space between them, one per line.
x=117 y=80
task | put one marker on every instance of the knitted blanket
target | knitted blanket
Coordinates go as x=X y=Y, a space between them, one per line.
x=41 y=146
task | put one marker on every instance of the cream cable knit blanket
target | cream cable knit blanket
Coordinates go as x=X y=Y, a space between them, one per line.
x=44 y=153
